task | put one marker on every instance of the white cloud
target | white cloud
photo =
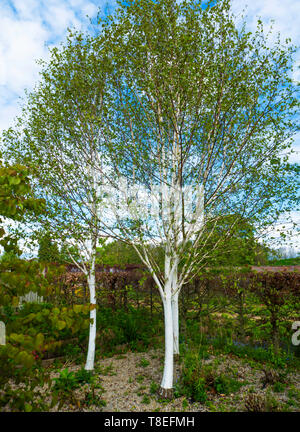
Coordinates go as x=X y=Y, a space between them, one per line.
x=285 y=14
x=27 y=28
x=20 y=44
x=295 y=157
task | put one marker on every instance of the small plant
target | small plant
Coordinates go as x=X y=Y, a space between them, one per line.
x=198 y=379
x=72 y=351
x=69 y=380
x=92 y=399
x=226 y=385
x=140 y=378
x=66 y=381
x=272 y=403
x=145 y=400
x=144 y=363
x=83 y=376
x=109 y=370
x=185 y=404
x=154 y=387
x=294 y=393
x=199 y=393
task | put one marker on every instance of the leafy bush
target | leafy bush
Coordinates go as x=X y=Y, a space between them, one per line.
x=68 y=381
x=199 y=379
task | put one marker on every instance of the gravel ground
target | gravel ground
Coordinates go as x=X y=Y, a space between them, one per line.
x=125 y=382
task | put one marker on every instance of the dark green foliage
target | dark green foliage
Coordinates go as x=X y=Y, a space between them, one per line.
x=123 y=327
x=117 y=253
x=199 y=379
x=48 y=250
x=68 y=381
x=279 y=387
x=83 y=376
x=226 y=385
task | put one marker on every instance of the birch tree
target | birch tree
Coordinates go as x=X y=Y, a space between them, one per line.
x=201 y=112
x=58 y=137
x=178 y=118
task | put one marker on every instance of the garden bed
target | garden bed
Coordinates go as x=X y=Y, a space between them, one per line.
x=129 y=382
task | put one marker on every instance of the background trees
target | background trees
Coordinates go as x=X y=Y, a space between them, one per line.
x=238 y=245
x=117 y=253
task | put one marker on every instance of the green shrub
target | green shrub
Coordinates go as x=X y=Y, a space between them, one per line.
x=66 y=381
x=224 y=384
x=144 y=363
x=199 y=379
x=83 y=376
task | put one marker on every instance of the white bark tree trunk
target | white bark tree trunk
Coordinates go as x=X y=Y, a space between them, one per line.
x=92 y=335
x=166 y=389
x=175 y=317
x=170 y=303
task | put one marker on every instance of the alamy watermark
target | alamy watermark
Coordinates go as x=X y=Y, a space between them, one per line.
x=296 y=335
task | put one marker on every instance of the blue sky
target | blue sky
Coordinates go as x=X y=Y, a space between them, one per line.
x=29 y=27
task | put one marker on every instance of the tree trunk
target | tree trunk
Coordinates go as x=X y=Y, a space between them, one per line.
x=175 y=317
x=166 y=388
x=92 y=335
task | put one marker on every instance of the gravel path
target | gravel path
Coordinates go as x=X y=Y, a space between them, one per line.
x=125 y=382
